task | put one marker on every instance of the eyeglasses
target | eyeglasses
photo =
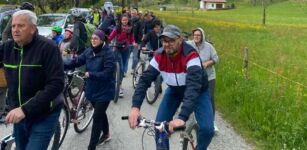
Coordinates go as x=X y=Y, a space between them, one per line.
x=95 y=39
x=196 y=35
x=169 y=41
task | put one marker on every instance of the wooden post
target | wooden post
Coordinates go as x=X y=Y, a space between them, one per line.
x=263 y=12
x=246 y=63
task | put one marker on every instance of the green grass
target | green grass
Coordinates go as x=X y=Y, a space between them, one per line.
x=269 y=109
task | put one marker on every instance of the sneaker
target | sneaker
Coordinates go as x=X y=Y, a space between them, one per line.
x=215 y=128
x=104 y=139
x=121 y=92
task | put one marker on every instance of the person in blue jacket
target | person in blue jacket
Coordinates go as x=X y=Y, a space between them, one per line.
x=100 y=83
x=57 y=35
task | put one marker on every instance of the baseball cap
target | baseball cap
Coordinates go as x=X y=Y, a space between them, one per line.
x=171 y=31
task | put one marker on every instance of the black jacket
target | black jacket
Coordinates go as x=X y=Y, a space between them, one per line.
x=137 y=29
x=34 y=75
x=153 y=40
x=79 y=38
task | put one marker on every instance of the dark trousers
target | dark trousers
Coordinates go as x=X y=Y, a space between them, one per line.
x=211 y=91
x=100 y=123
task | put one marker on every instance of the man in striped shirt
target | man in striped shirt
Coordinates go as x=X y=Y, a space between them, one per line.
x=181 y=69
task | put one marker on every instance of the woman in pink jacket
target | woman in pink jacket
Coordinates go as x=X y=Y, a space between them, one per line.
x=124 y=40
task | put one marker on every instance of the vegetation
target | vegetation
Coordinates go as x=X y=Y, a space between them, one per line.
x=269 y=108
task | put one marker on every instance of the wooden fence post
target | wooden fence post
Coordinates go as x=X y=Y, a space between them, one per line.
x=246 y=63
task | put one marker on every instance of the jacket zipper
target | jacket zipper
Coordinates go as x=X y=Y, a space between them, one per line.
x=19 y=76
x=175 y=74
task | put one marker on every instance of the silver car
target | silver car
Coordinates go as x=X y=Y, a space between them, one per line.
x=46 y=21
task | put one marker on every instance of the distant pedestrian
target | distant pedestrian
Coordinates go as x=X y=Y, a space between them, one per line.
x=209 y=57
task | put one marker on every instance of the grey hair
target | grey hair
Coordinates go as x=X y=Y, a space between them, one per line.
x=29 y=14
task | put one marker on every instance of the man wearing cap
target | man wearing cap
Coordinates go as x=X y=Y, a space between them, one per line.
x=180 y=66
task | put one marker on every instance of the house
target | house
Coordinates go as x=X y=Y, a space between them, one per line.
x=212 y=4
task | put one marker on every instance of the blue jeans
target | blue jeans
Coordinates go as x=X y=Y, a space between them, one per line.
x=136 y=56
x=124 y=56
x=203 y=114
x=36 y=135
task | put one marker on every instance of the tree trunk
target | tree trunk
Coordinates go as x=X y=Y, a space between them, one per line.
x=41 y=5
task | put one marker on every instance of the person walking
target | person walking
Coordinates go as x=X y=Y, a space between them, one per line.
x=209 y=57
x=35 y=81
x=100 y=84
x=124 y=38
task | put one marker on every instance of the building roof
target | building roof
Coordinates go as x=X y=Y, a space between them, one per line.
x=215 y=1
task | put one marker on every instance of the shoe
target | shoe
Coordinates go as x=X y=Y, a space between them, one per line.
x=216 y=129
x=104 y=139
x=121 y=92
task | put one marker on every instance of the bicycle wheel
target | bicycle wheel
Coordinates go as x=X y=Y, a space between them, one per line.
x=117 y=75
x=192 y=131
x=61 y=129
x=139 y=69
x=153 y=91
x=84 y=114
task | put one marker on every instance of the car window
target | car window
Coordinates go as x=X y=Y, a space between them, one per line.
x=5 y=19
x=50 y=21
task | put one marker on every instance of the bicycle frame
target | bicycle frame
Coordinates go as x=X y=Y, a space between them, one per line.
x=7 y=142
x=162 y=127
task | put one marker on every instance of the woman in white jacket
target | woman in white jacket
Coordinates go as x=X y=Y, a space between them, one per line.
x=208 y=57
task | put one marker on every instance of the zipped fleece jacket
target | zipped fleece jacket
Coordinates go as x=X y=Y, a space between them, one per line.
x=34 y=75
x=182 y=73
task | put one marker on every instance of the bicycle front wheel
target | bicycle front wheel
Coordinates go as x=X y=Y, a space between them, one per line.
x=84 y=114
x=61 y=129
x=139 y=69
x=117 y=75
x=153 y=91
x=191 y=142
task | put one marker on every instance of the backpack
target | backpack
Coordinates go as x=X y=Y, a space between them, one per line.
x=90 y=28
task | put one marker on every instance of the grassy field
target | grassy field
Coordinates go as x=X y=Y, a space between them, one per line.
x=270 y=108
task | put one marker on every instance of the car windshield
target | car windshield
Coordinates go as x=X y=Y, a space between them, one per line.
x=50 y=21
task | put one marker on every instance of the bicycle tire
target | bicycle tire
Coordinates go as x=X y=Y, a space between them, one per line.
x=153 y=91
x=192 y=131
x=61 y=129
x=84 y=107
x=117 y=75
x=139 y=69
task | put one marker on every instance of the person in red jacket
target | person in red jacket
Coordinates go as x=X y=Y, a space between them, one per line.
x=180 y=67
x=124 y=40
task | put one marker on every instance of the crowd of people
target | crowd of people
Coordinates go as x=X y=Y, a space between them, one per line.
x=34 y=68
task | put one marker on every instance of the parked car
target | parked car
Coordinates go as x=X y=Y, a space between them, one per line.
x=46 y=21
x=5 y=17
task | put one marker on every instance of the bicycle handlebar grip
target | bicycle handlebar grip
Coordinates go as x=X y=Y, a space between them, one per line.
x=125 y=117
x=180 y=128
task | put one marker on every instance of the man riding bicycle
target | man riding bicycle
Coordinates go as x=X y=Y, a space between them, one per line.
x=180 y=66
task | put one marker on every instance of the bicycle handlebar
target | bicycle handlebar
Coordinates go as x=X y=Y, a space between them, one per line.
x=2 y=117
x=143 y=122
x=76 y=73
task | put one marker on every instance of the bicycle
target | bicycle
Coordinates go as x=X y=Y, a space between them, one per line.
x=8 y=142
x=155 y=89
x=117 y=73
x=153 y=125
x=77 y=109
